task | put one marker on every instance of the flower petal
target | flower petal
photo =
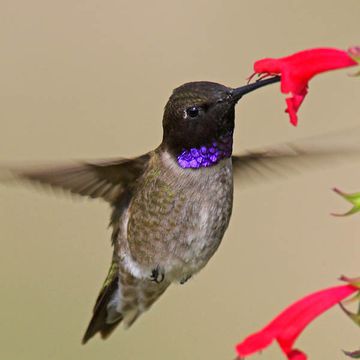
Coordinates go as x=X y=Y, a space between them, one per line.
x=298 y=69
x=293 y=104
x=287 y=326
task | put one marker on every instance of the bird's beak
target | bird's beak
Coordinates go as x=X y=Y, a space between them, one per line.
x=238 y=93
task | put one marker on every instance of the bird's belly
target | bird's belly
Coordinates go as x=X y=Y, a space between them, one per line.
x=177 y=222
x=202 y=223
x=190 y=253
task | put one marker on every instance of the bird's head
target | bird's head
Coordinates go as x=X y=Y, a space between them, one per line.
x=199 y=114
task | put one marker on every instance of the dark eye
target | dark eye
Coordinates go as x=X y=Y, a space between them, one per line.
x=192 y=111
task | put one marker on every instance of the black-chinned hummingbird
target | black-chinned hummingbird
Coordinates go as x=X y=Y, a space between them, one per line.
x=171 y=206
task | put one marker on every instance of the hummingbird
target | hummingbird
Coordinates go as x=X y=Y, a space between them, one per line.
x=170 y=206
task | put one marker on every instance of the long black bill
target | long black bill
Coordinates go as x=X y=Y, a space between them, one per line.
x=242 y=90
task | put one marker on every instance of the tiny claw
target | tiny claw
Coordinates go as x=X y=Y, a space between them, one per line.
x=185 y=279
x=157 y=275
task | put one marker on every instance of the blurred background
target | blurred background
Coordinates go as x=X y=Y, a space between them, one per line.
x=89 y=79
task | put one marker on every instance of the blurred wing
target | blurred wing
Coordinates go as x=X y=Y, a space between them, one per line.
x=289 y=159
x=101 y=179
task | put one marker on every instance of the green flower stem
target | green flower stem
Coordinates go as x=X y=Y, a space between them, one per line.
x=354 y=199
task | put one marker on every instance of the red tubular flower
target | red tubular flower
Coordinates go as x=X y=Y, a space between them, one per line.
x=287 y=326
x=297 y=70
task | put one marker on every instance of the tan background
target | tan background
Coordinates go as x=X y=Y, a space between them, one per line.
x=89 y=79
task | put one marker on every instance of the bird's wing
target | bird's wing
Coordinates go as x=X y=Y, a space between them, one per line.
x=100 y=179
x=284 y=160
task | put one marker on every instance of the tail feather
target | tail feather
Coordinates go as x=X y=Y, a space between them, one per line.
x=99 y=321
x=123 y=298
x=103 y=328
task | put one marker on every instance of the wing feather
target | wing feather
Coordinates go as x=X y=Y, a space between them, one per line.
x=288 y=159
x=101 y=179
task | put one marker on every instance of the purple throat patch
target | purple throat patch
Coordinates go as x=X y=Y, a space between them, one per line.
x=207 y=155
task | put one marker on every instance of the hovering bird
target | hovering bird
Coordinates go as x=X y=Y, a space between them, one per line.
x=171 y=206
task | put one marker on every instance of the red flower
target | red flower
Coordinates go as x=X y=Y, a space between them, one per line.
x=287 y=326
x=297 y=70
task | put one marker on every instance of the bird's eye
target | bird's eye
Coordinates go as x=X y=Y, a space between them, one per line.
x=193 y=111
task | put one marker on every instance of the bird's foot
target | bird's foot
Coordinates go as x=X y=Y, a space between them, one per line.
x=185 y=279
x=157 y=275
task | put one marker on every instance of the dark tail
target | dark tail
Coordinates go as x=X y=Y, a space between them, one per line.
x=99 y=321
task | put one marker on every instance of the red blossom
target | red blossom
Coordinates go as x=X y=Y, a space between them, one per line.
x=298 y=69
x=289 y=324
